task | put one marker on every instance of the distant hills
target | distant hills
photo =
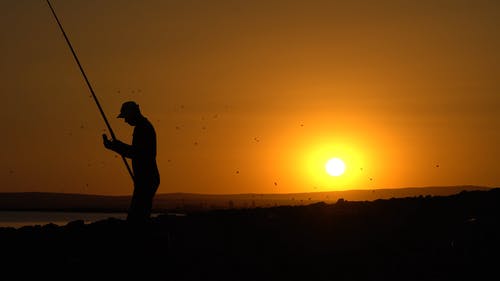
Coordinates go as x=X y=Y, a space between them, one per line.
x=41 y=201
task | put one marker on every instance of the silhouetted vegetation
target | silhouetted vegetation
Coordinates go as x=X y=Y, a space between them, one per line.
x=414 y=238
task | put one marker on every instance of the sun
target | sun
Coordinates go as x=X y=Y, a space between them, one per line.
x=335 y=167
x=330 y=164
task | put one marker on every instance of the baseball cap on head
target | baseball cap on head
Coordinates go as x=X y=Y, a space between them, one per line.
x=128 y=108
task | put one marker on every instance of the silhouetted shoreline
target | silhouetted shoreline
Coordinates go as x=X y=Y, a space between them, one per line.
x=187 y=202
x=452 y=237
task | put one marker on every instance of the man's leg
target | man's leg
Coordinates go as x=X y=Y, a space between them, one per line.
x=141 y=204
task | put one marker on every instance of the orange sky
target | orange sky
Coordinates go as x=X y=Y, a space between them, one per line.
x=253 y=96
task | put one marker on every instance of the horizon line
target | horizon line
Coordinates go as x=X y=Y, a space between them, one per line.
x=253 y=193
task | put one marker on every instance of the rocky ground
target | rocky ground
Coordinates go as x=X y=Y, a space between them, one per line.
x=418 y=238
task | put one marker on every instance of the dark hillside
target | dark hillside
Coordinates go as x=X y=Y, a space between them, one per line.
x=41 y=201
x=453 y=237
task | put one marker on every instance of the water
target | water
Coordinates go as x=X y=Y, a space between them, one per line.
x=19 y=219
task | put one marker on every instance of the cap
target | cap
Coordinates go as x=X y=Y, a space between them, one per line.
x=128 y=108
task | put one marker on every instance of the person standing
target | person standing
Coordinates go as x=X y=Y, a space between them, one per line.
x=143 y=155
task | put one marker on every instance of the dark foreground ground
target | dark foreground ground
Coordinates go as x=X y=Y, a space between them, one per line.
x=422 y=238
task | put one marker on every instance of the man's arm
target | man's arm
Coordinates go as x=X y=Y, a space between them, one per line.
x=118 y=147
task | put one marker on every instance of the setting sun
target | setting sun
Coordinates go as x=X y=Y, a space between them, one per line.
x=334 y=163
x=335 y=167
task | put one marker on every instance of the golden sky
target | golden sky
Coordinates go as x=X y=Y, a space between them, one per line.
x=253 y=96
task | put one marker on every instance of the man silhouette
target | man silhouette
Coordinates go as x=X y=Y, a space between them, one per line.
x=143 y=155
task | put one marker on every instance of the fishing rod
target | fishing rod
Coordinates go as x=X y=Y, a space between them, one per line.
x=113 y=137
